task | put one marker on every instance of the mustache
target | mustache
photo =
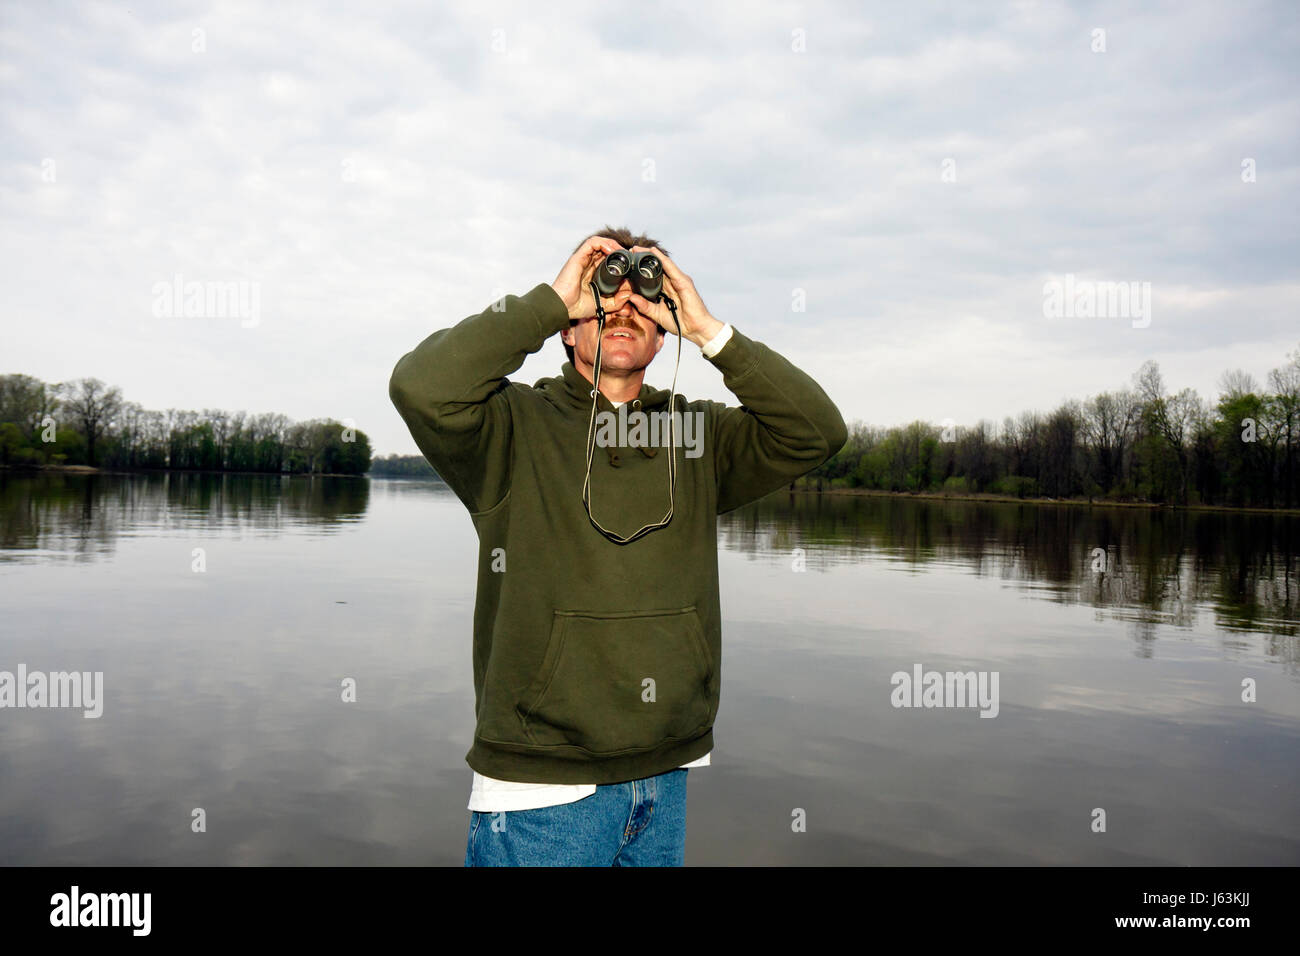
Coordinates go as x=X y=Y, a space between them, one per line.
x=614 y=321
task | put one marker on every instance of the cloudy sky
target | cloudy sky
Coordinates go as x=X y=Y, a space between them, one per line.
x=913 y=174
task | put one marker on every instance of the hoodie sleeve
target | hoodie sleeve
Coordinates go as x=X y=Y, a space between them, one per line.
x=450 y=391
x=784 y=428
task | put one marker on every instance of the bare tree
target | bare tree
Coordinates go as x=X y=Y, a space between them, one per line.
x=221 y=430
x=1108 y=425
x=1177 y=419
x=1059 y=471
x=1283 y=410
x=155 y=431
x=975 y=455
x=180 y=422
x=1149 y=383
x=1027 y=445
x=93 y=405
x=131 y=425
x=1237 y=383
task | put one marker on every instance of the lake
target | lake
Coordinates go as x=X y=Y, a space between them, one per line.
x=1123 y=641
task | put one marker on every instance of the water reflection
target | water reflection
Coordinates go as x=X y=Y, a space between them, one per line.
x=81 y=517
x=1143 y=566
x=1121 y=683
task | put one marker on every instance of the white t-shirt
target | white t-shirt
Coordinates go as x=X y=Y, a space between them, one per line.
x=490 y=795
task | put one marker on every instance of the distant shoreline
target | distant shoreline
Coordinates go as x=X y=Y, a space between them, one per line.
x=1042 y=500
x=92 y=470
x=865 y=492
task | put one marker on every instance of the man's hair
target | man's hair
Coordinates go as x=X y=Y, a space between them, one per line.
x=623 y=236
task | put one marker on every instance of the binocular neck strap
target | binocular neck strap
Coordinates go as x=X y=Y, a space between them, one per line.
x=672 y=429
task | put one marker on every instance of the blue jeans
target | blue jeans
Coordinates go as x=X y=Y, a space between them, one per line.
x=636 y=823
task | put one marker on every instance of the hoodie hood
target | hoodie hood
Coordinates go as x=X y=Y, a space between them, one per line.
x=571 y=391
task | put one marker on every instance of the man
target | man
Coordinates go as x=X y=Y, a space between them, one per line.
x=597 y=663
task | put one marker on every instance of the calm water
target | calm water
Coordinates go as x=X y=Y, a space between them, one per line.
x=1118 y=690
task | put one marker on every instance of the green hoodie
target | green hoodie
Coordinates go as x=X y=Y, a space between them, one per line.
x=594 y=661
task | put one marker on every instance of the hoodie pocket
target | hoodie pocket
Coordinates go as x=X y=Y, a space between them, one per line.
x=620 y=682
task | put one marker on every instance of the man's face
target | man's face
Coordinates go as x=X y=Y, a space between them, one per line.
x=631 y=339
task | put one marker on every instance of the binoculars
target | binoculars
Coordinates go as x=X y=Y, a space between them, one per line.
x=644 y=270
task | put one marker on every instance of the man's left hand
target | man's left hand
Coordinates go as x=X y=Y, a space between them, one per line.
x=698 y=324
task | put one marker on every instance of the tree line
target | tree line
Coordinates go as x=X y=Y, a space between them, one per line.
x=85 y=422
x=403 y=466
x=1143 y=443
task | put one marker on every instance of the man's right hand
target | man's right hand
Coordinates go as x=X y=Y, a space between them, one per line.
x=572 y=285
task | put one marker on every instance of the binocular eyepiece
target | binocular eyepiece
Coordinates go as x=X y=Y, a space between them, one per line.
x=643 y=269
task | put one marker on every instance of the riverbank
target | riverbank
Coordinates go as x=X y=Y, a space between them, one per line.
x=91 y=470
x=1076 y=502
x=870 y=492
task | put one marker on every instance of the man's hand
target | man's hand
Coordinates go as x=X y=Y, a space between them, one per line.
x=698 y=324
x=573 y=284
